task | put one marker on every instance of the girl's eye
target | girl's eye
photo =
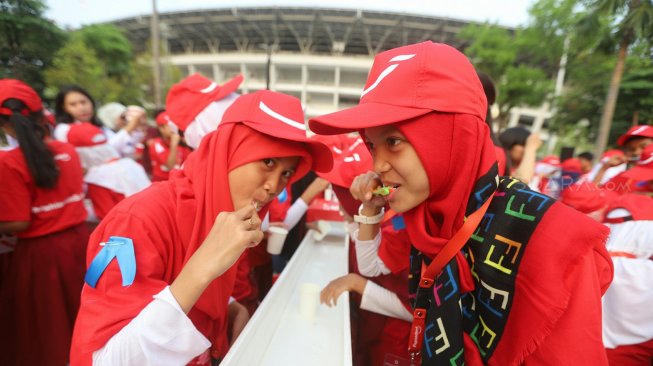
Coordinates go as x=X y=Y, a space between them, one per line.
x=288 y=174
x=393 y=141
x=370 y=145
x=270 y=163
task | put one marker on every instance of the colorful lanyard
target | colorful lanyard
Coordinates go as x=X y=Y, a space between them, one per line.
x=447 y=253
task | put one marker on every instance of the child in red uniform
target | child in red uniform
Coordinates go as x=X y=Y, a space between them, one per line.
x=42 y=203
x=166 y=152
x=501 y=275
x=109 y=178
x=175 y=249
x=380 y=316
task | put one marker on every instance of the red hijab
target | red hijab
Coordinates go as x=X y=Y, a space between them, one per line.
x=203 y=191
x=455 y=150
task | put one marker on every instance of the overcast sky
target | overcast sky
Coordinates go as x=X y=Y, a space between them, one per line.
x=74 y=13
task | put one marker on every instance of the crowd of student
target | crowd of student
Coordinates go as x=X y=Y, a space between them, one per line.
x=127 y=245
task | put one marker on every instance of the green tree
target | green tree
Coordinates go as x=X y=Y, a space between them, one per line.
x=27 y=41
x=111 y=47
x=100 y=59
x=76 y=64
x=493 y=50
x=632 y=21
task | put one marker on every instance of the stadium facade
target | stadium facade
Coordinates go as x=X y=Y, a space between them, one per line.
x=321 y=56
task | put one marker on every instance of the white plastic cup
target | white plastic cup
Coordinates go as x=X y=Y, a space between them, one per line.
x=309 y=299
x=276 y=239
x=324 y=228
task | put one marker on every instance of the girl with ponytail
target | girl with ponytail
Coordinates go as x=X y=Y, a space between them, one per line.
x=42 y=204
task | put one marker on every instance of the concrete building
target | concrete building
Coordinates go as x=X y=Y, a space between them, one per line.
x=321 y=56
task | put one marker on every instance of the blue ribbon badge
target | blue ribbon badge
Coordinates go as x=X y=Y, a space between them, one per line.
x=117 y=247
x=398 y=222
x=283 y=196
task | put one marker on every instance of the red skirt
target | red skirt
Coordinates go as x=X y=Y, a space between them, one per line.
x=103 y=199
x=46 y=277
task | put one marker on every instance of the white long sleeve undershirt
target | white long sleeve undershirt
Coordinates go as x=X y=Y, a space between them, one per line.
x=367 y=255
x=161 y=334
x=382 y=301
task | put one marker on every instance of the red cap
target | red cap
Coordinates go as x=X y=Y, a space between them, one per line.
x=85 y=134
x=407 y=82
x=572 y=165
x=638 y=207
x=163 y=119
x=587 y=197
x=189 y=97
x=636 y=131
x=350 y=159
x=610 y=153
x=16 y=89
x=550 y=160
x=277 y=115
x=643 y=171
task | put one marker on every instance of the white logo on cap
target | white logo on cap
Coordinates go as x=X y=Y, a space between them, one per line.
x=641 y=129
x=281 y=118
x=388 y=70
x=355 y=157
x=337 y=151
x=209 y=88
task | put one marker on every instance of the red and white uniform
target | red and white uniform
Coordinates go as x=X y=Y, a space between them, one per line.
x=47 y=269
x=47 y=210
x=159 y=152
x=167 y=224
x=109 y=177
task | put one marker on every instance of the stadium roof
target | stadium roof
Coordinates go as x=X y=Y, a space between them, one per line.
x=298 y=30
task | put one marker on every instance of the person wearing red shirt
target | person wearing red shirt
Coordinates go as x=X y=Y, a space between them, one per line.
x=108 y=177
x=380 y=315
x=501 y=275
x=42 y=204
x=165 y=300
x=167 y=151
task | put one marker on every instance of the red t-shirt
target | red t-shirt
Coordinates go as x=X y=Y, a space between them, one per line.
x=159 y=151
x=47 y=210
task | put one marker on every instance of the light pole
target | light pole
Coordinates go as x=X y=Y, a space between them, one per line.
x=268 y=48
x=156 y=65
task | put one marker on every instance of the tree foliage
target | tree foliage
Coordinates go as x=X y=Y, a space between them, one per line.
x=28 y=41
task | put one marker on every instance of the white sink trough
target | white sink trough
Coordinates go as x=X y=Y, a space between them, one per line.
x=278 y=333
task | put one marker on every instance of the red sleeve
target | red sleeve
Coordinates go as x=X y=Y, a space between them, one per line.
x=394 y=250
x=15 y=197
x=108 y=307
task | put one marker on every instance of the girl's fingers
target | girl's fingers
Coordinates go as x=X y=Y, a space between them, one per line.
x=245 y=212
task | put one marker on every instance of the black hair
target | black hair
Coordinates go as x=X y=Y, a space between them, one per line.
x=30 y=132
x=59 y=109
x=490 y=94
x=513 y=136
x=586 y=155
x=158 y=111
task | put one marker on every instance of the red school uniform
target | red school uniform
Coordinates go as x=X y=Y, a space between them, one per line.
x=39 y=306
x=47 y=210
x=177 y=217
x=159 y=151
